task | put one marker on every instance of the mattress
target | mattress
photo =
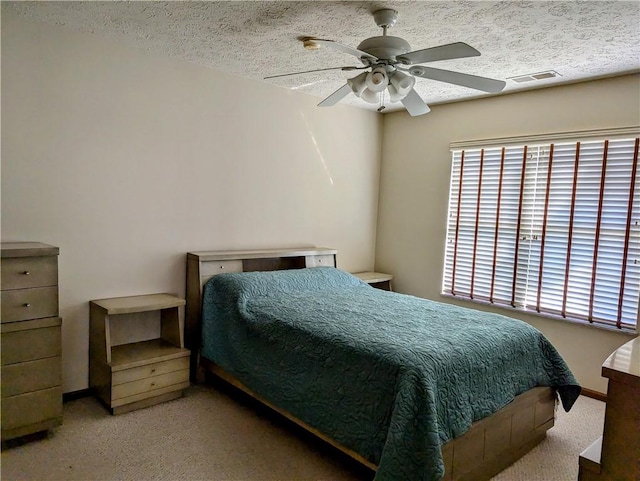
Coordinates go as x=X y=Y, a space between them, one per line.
x=391 y=376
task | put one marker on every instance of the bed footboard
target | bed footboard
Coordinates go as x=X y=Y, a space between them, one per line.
x=494 y=443
x=491 y=445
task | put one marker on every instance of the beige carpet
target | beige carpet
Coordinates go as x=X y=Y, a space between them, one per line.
x=217 y=435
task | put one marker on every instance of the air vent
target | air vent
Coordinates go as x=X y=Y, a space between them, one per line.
x=535 y=76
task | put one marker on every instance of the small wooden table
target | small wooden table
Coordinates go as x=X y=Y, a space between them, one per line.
x=132 y=374
x=376 y=279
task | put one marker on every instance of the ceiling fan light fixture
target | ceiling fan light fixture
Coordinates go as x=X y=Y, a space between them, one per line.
x=358 y=84
x=394 y=95
x=402 y=82
x=377 y=80
x=385 y=56
x=370 y=96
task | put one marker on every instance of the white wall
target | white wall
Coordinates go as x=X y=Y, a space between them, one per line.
x=414 y=189
x=127 y=160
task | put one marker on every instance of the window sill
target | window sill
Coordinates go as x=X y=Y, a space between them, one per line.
x=506 y=309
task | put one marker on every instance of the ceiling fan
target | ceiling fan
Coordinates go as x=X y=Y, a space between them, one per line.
x=391 y=66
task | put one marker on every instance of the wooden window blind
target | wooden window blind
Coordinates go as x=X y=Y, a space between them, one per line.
x=552 y=228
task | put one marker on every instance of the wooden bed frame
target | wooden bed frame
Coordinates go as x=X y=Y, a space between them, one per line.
x=487 y=448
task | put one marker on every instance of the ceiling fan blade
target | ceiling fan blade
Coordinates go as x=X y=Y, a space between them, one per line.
x=348 y=68
x=414 y=104
x=336 y=96
x=443 y=52
x=345 y=49
x=472 y=81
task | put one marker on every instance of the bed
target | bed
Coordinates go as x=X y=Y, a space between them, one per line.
x=413 y=389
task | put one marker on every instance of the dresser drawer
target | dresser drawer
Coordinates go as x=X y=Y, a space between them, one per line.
x=31 y=408
x=25 y=272
x=320 y=261
x=31 y=376
x=148 y=385
x=30 y=344
x=155 y=369
x=23 y=304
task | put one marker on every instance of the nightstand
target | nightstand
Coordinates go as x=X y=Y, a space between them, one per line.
x=376 y=279
x=137 y=374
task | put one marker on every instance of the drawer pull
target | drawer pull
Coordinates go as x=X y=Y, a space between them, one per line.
x=319 y=261
x=221 y=267
x=153 y=370
x=26 y=304
x=153 y=384
x=26 y=273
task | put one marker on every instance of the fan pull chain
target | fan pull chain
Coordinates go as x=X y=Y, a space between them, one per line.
x=382 y=107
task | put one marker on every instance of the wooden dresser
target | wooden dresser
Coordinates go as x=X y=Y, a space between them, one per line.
x=615 y=456
x=30 y=339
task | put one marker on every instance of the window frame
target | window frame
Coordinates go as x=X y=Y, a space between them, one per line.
x=535 y=141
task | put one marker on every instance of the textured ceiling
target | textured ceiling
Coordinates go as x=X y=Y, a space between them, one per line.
x=579 y=40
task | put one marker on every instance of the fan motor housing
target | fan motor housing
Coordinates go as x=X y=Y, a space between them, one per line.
x=385 y=47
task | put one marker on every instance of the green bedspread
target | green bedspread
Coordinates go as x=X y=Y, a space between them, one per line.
x=391 y=376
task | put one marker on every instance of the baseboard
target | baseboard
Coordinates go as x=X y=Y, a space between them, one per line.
x=594 y=394
x=73 y=395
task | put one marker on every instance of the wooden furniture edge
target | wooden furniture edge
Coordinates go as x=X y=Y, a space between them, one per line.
x=27 y=249
x=42 y=426
x=590 y=458
x=488 y=469
x=480 y=470
x=373 y=276
x=152 y=401
x=615 y=454
x=141 y=303
x=260 y=253
x=222 y=374
x=622 y=365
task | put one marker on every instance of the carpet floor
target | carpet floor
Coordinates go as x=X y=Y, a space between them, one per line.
x=217 y=434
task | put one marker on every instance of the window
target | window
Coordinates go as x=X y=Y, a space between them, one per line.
x=552 y=228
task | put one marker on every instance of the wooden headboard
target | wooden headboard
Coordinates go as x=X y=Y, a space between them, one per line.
x=202 y=266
